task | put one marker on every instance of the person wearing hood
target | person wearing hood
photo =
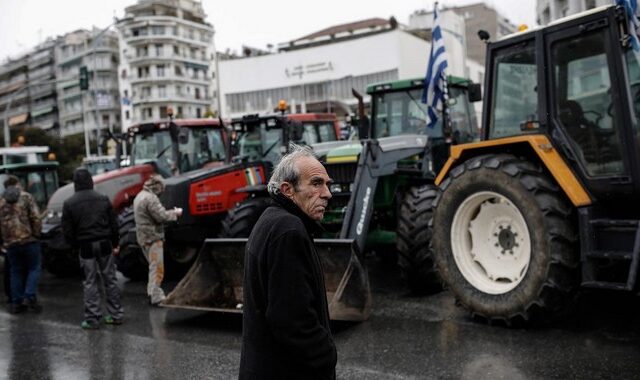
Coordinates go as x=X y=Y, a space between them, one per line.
x=150 y=216
x=20 y=225
x=89 y=225
x=285 y=316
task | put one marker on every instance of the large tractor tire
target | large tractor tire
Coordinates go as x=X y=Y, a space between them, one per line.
x=131 y=261
x=504 y=240
x=240 y=220
x=415 y=258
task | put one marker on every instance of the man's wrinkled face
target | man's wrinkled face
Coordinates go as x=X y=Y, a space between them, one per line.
x=312 y=192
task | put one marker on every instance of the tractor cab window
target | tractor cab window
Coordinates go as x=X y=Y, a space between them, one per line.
x=260 y=143
x=315 y=132
x=203 y=146
x=149 y=146
x=633 y=68
x=514 y=106
x=462 y=116
x=401 y=113
x=584 y=105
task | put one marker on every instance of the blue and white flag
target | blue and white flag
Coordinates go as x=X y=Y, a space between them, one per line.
x=435 y=82
x=631 y=8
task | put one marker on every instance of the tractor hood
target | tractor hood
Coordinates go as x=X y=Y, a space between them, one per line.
x=120 y=185
x=345 y=153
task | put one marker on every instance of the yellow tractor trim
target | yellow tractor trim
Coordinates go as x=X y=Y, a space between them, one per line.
x=343 y=159
x=543 y=148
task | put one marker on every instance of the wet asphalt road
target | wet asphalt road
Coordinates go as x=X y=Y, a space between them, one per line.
x=406 y=338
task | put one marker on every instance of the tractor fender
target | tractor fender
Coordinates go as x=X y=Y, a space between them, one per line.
x=530 y=145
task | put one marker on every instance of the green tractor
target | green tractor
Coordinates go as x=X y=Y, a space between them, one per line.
x=400 y=187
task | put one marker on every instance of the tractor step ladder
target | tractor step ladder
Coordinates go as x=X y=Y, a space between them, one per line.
x=607 y=242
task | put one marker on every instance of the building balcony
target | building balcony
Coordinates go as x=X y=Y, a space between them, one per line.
x=167 y=37
x=170 y=78
x=172 y=97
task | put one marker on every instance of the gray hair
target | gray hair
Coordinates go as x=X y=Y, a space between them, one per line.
x=286 y=170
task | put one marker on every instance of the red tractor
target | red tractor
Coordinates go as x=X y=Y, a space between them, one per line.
x=207 y=195
x=166 y=147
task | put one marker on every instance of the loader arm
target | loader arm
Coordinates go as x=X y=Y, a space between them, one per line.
x=378 y=158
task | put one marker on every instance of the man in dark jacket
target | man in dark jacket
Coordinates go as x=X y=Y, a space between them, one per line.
x=20 y=225
x=286 y=332
x=89 y=224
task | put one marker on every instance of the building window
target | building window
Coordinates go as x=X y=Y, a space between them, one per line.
x=198 y=113
x=178 y=70
x=146 y=92
x=193 y=53
x=179 y=112
x=160 y=70
x=162 y=91
x=197 y=94
x=126 y=114
x=158 y=50
x=142 y=51
x=179 y=90
x=163 y=112
x=176 y=50
x=124 y=74
x=157 y=29
x=175 y=30
x=143 y=72
x=195 y=73
x=105 y=121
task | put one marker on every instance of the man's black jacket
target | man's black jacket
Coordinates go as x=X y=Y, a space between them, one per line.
x=88 y=215
x=285 y=332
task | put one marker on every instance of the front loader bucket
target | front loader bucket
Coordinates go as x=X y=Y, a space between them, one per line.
x=214 y=281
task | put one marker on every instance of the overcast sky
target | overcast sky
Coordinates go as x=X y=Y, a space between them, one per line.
x=255 y=23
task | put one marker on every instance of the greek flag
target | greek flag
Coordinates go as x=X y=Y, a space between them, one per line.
x=435 y=82
x=631 y=8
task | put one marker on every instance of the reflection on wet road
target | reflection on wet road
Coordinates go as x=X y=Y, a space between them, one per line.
x=406 y=338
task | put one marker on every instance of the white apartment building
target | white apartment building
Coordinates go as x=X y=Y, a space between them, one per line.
x=167 y=59
x=316 y=73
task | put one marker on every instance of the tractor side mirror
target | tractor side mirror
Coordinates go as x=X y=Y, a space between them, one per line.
x=475 y=92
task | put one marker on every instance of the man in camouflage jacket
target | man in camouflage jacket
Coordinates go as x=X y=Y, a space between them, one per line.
x=150 y=216
x=20 y=225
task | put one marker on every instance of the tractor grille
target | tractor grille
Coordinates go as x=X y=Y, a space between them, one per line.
x=342 y=173
x=209 y=207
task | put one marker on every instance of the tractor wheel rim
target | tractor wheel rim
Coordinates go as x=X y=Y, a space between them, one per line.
x=490 y=242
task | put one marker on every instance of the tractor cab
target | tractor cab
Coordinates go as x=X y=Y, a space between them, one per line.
x=37 y=176
x=265 y=138
x=178 y=146
x=38 y=179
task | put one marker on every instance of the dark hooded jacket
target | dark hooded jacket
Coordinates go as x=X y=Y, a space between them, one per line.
x=88 y=215
x=285 y=330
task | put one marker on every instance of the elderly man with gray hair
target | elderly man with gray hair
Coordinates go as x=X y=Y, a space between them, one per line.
x=286 y=332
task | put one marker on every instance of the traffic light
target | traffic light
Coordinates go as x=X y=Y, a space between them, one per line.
x=84 y=78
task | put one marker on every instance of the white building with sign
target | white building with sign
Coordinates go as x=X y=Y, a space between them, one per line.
x=317 y=72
